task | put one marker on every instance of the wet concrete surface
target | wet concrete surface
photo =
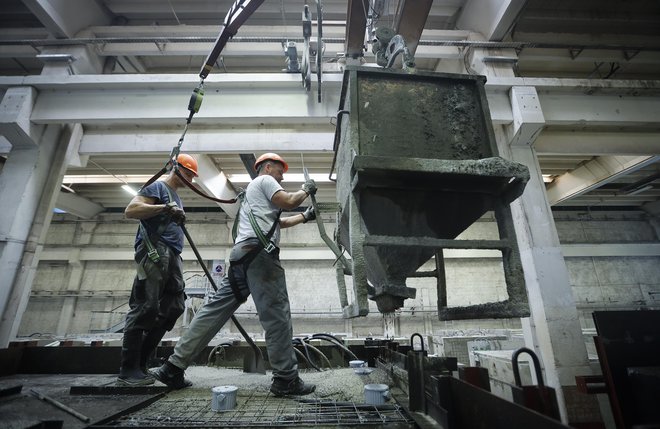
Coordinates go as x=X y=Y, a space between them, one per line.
x=22 y=410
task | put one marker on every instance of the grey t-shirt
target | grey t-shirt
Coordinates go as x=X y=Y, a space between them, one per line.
x=258 y=196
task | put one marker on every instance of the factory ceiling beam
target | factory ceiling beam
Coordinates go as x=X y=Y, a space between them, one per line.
x=493 y=19
x=279 y=99
x=65 y=18
x=77 y=205
x=269 y=13
x=590 y=143
x=252 y=139
x=214 y=183
x=16 y=110
x=600 y=109
x=240 y=104
x=594 y=174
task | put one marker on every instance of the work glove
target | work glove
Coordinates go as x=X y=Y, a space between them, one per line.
x=177 y=215
x=310 y=187
x=309 y=214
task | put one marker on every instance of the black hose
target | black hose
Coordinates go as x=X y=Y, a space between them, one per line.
x=336 y=341
x=301 y=355
x=298 y=341
x=215 y=349
x=319 y=352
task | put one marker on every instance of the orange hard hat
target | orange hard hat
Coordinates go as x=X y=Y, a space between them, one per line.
x=270 y=157
x=188 y=162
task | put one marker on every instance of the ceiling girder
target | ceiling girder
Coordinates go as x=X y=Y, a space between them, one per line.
x=594 y=174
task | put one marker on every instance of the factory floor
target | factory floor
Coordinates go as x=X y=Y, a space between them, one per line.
x=338 y=401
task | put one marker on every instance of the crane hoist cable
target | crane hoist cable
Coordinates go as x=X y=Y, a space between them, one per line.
x=239 y=12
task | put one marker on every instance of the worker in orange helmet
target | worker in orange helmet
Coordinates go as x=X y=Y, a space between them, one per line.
x=254 y=268
x=157 y=298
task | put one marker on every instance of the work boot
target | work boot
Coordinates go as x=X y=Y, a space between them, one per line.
x=171 y=375
x=130 y=373
x=295 y=387
x=149 y=345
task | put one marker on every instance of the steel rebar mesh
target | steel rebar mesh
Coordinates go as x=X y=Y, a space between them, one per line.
x=258 y=410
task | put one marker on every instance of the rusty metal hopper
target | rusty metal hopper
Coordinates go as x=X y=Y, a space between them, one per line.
x=416 y=164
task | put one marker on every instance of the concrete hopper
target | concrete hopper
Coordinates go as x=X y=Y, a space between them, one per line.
x=416 y=164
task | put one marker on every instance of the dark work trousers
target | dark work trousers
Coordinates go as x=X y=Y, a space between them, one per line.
x=264 y=279
x=157 y=298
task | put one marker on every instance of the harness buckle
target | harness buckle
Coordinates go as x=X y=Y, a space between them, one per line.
x=153 y=255
x=270 y=247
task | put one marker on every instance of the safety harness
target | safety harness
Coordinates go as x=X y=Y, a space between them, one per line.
x=264 y=241
x=148 y=239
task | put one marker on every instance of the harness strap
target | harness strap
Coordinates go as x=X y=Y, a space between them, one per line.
x=263 y=239
x=152 y=252
x=156 y=176
x=200 y=193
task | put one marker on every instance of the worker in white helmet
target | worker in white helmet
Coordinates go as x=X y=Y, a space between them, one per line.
x=254 y=269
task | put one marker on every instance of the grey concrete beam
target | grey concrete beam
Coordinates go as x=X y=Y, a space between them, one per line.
x=215 y=183
x=30 y=178
x=64 y=18
x=16 y=110
x=594 y=174
x=214 y=141
x=491 y=18
x=279 y=99
x=591 y=143
x=77 y=205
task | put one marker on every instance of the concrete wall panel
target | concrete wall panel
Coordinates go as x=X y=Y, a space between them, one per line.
x=598 y=282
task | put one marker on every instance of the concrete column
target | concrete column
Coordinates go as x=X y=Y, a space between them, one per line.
x=29 y=185
x=75 y=273
x=82 y=236
x=553 y=330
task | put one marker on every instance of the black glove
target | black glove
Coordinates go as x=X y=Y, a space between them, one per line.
x=309 y=214
x=309 y=186
x=178 y=216
x=176 y=213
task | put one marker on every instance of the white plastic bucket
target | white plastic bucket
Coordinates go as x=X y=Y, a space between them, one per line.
x=357 y=363
x=223 y=398
x=376 y=394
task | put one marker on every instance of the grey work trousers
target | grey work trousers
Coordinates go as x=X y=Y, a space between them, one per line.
x=267 y=284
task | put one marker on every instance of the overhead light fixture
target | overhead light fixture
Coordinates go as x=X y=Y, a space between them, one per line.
x=56 y=58
x=548 y=178
x=638 y=190
x=73 y=179
x=500 y=59
x=642 y=185
x=68 y=188
x=128 y=189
